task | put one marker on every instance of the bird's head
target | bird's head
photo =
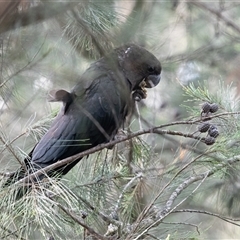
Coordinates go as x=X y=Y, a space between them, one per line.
x=141 y=68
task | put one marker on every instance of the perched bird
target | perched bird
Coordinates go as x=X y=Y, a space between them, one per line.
x=96 y=107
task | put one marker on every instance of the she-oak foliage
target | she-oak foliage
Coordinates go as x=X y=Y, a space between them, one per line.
x=156 y=185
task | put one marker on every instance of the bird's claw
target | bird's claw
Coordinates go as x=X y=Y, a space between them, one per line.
x=140 y=93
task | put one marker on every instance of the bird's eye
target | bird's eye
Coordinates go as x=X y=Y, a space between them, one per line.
x=151 y=69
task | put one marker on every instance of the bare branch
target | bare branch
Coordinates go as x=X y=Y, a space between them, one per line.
x=130 y=136
x=95 y=149
x=183 y=223
x=226 y=219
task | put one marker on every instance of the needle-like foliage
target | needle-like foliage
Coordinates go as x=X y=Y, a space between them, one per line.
x=173 y=172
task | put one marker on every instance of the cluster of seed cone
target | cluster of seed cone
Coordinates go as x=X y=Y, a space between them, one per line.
x=212 y=131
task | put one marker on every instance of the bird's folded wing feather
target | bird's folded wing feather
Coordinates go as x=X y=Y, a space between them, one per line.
x=90 y=119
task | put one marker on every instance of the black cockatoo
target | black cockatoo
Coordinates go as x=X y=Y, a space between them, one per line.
x=96 y=107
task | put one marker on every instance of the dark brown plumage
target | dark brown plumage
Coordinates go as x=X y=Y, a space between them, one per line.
x=97 y=106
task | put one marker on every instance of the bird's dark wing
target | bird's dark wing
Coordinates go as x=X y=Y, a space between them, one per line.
x=96 y=107
x=90 y=119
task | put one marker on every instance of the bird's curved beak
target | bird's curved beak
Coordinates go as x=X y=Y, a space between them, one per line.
x=152 y=80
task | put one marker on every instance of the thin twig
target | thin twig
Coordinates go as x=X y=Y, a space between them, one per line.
x=28 y=65
x=100 y=180
x=227 y=21
x=9 y=147
x=226 y=219
x=104 y=217
x=168 y=206
x=189 y=122
x=80 y=222
x=125 y=189
x=183 y=223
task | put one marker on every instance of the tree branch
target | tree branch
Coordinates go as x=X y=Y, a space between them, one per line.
x=160 y=214
x=98 y=148
x=130 y=136
x=226 y=219
x=125 y=189
x=183 y=223
x=167 y=209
